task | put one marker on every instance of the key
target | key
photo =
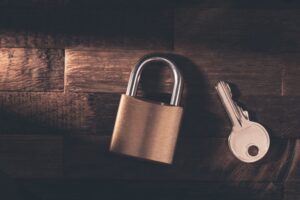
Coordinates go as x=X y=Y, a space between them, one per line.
x=248 y=141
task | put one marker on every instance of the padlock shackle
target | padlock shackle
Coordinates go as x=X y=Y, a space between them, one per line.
x=136 y=74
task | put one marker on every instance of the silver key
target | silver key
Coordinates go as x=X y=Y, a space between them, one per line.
x=249 y=141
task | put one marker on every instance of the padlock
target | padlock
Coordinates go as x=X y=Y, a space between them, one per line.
x=147 y=129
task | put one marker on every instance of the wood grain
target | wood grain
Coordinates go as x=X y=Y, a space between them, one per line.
x=80 y=189
x=291 y=75
x=97 y=71
x=109 y=71
x=261 y=75
x=205 y=116
x=102 y=71
x=69 y=113
x=237 y=30
x=253 y=73
x=57 y=113
x=94 y=114
x=102 y=28
x=195 y=159
x=62 y=139
x=243 y=46
x=268 y=111
x=31 y=69
x=31 y=155
x=292 y=182
x=290 y=116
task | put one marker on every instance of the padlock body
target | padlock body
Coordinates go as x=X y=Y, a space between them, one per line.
x=146 y=130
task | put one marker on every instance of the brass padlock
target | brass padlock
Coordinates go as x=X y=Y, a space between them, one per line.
x=147 y=129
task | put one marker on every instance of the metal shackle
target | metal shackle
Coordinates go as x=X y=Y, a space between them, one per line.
x=136 y=73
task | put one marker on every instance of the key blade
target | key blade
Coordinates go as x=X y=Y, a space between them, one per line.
x=229 y=89
x=224 y=93
x=246 y=114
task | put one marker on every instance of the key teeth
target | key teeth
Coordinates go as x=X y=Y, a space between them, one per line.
x=229 y=90
x=243 y=112
x=235 y=112
x=246 y=114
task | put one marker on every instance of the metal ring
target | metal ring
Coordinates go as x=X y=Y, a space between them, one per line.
x=136 y=73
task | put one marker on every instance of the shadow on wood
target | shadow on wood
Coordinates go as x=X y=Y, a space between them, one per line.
x=199 y=117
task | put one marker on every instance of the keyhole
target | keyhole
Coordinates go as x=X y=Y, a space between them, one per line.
x=253 y=150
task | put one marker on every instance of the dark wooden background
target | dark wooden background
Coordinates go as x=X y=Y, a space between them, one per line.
x=64 y=64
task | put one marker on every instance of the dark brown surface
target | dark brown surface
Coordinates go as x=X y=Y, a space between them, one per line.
x=64 y=65
x=31 y=69
x=31 y=156
x=105 y=28
x=76 y=189
x=291 y=75
x=100 y=71
x=195 y=159
x=293 y=178
x=51 y=113
x=94 y=114
x=261 y=74
x=237 y=30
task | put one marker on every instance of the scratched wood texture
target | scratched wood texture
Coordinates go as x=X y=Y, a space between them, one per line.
x=64 y=65
x=31 y=69
x=88 y=156
x=261 y=42
x=52 y=113
x=292 y=180
x=94 y=114
x=261 y=74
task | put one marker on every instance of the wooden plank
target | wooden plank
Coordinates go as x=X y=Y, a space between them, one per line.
x=109 y=71
x=59 y=113
x=94 y=114
x=268 y=111
x=237 y=30
x=31 y=156
x=292 y=183
x=97 y=71
x=205 y=116
x=102 y=28
x=291 y=112
x=291 y=75
x=253 y=73
x=103 y=71
x=31 y=69
x=243 y=46
x=80 y=189
x=195 y=159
